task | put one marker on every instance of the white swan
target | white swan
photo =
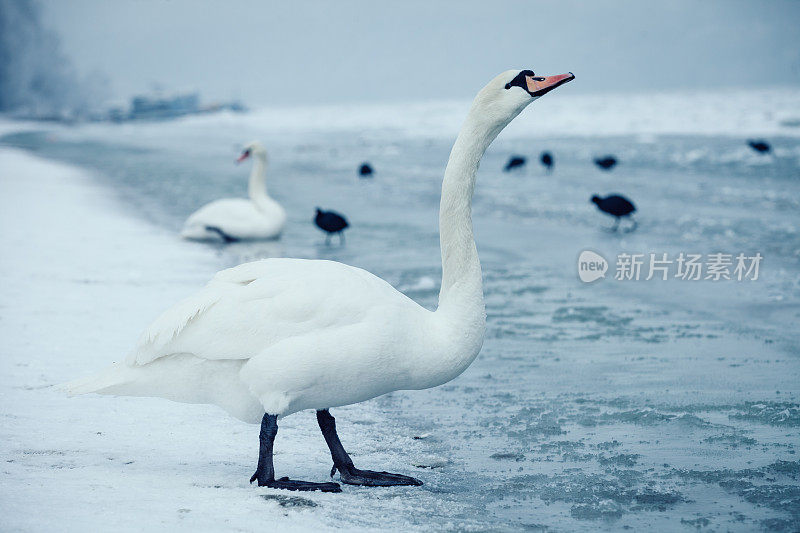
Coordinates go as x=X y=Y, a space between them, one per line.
x=272 y=337
x=237 y=219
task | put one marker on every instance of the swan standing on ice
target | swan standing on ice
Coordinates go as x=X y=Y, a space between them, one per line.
x=237 y=219
x=267 y=339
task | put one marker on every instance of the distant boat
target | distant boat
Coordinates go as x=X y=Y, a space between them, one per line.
x=154 y=107
x=161 y=107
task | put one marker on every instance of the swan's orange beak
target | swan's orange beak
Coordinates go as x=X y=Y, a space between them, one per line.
x=244 y=156
x=539 y=85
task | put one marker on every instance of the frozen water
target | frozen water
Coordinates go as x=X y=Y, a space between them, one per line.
x=662 y=405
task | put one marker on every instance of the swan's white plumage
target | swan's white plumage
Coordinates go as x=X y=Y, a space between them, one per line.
x=238 y=218
x=282 y=335
x=269 y=332
x=257 y=218
x=249 y=308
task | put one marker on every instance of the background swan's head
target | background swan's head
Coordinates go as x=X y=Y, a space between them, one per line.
x=508 y=94
x=253 y=148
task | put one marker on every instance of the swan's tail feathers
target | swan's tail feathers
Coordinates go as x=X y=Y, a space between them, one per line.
x=218 y=231
x=180 y=377
x=190 y=233
x=104 y=382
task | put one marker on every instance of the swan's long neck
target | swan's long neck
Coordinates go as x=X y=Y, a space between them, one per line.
x=257 y=186
x=461 y=295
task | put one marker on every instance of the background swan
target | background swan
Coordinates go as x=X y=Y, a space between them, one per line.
x=273 y=337
x=236 y=219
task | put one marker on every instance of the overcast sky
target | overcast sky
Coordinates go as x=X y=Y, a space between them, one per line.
x=330 y=51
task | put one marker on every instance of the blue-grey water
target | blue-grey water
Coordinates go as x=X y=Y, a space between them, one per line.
x=666 y=405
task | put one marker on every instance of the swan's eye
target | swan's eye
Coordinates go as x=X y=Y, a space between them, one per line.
x=520 y=80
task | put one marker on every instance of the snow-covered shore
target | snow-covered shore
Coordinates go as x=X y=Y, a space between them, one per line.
x=81 y=278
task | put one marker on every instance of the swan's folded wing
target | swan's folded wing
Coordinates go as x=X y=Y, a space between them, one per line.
x=246 y=309
x=169 y=325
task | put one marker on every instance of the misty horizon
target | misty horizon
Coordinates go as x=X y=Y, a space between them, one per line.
x=319 y=53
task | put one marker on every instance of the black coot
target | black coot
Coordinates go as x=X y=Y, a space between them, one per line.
x=365 y=170
x=606 y=163
x=617 y=206
x=760 y=146
x=547 y=160
x=516 y=161
x=330 y=222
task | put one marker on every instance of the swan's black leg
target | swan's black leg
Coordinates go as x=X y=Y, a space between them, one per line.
x=341 y=238
x=327 y=239
x=265 y=472
x=342 y=462
x=616 y=224
x=634 y=225
x=225 y=237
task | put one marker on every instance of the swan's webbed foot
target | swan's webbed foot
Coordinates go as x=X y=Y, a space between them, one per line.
x=293 y=484
x=265 y=472
x=369 y=478
x=342 y=462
